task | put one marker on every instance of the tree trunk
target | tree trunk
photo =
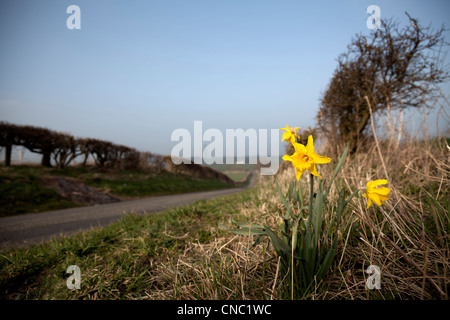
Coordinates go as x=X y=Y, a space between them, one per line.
x=46 y=157
x=8 y=155
x=353 y=131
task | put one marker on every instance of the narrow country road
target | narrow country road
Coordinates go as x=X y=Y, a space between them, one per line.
x=29 y=229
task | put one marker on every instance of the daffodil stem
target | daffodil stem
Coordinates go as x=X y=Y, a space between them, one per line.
x=311 y=195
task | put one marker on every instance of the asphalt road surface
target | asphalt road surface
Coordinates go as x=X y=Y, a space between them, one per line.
x=28 y=229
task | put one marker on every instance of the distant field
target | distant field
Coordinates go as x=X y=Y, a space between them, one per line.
x=23 y=189
x=236 y=175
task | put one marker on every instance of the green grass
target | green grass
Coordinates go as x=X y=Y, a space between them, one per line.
x=118 y=261
x=22 y=192
x=236 y=176
x=160 y=184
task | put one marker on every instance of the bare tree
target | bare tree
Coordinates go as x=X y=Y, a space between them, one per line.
x=62 y=148
x=152 y=162
x=38 y=140
x=101 y=151
x=393 y=68
x=8 y=138
x=66 y=149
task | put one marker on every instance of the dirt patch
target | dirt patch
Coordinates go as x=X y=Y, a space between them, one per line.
x=78 y=192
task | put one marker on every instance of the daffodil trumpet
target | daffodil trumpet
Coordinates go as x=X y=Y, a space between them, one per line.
x=304 y=158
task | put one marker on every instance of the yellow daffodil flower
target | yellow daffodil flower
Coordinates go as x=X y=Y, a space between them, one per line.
x=290 y=134
x=304 y=158
x=377 y=195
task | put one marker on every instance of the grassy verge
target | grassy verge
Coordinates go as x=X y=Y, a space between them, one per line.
x=23 y=190
x=132 y=259
x=139 y=183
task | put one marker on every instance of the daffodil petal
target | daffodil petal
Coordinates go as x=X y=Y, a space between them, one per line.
x=314 y=171
x=287 y=158
x=375 y=198
x=299 y=174
x=373 y=184
x=297 y=163
x=320 y=159
x=383 y=198
x=383 y=191
x=299 y=148
x=286 y=136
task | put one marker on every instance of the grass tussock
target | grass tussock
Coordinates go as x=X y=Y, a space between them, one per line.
x=408 y=236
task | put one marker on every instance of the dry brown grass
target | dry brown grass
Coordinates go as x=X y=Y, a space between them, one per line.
x=399 y=237
x=223 y=268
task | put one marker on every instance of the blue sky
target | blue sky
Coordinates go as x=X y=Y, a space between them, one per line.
x=137 y=70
